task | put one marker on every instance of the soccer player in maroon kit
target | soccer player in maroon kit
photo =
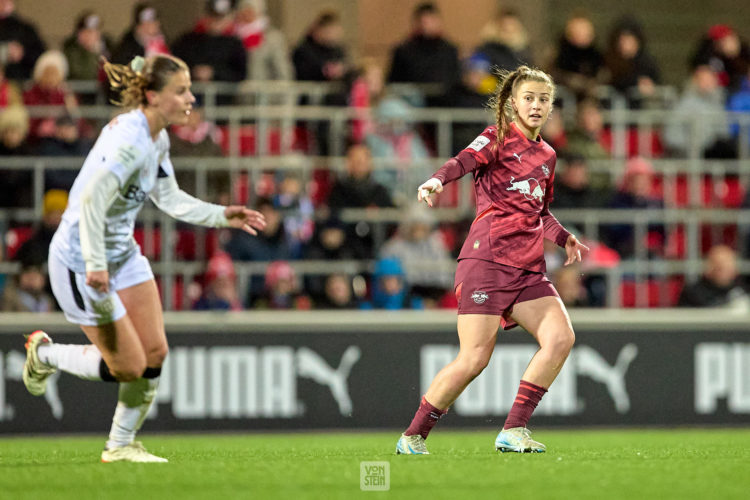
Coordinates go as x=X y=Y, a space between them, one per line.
x=500 y=277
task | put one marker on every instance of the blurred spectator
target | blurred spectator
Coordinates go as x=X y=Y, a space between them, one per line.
x=27 y=292
x=554 y=131
x=629 y=64
x=321 y=54
x=198 y=137
x=49 y=89
x=358 y=189
x=472 y=91
x=210 y=50
x=297 y=211
x=34 y=251
x=719 y=286
x=321 y=57
x=695 y=122
x=20 y=45
x=282 y=289
x=337 y=293
x=635 y=192
x=394 y=139
x=579 y=63
x=144 y=37
x=505 y=42
x=272 y=243
x=15 y=188
x=85 y=46
x=267 y=51
x=422 y=251
x=389 y=290
x=14 y=129
x=65 y=141
x=10 y=95
x=220 y=287
x=724 y=52
x=569 y=285
x=333 y=242
x=365 y=92
x=586 y=137
x=739 y=102
x=426 y=56
x=573 y=187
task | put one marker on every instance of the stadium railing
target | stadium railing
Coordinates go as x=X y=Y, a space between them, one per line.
x=684 y=180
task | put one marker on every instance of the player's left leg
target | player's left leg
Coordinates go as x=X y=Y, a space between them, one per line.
x=546 y=319
x=135 y=398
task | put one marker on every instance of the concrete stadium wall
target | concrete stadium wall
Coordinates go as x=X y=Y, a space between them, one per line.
x=315 y=370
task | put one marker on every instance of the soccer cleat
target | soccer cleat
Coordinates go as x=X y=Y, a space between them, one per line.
x=411 y=445
x=134 y=452
x=35 y=373
x=518 y=439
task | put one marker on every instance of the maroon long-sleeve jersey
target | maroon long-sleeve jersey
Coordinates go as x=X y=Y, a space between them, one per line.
x=513 y=185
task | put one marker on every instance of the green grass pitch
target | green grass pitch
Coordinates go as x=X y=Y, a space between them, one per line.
x=580 y=464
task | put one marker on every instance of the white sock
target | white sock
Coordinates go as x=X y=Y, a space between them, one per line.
x=134 y=400
x=80 y=360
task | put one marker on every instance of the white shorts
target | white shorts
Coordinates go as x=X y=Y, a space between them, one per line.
x=82 y=304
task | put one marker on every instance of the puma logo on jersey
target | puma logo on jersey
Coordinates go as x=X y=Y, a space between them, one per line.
x=517 y=156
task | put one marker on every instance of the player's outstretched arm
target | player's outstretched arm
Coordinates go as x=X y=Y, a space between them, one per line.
x=243 y=218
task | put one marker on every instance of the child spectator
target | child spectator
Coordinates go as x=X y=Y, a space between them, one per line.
x=220 y=288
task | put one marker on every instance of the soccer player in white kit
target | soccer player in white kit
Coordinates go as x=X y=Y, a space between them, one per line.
x=99 y=276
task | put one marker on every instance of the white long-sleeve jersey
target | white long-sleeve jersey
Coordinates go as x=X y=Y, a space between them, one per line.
x=124 y=167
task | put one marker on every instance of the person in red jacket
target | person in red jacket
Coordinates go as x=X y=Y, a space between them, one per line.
x=500 y=277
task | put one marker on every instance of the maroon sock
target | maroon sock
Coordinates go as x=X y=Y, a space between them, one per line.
x=527 y=398
x=425 y=419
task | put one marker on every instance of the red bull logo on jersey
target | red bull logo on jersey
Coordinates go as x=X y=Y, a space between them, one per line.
x=529 y=188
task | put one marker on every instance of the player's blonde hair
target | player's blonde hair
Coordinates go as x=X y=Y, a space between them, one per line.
x=507 y=86
x=132 y=81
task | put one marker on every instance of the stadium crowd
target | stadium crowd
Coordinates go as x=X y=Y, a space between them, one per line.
x=236 y=42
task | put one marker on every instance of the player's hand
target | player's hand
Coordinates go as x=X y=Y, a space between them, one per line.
x=98 y=280
x=424 y=191
x=243 y=218
x=574 y=249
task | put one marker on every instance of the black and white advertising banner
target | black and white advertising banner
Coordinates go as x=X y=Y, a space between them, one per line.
x=370 y=377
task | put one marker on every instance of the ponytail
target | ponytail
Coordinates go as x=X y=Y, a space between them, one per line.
x=132 y=81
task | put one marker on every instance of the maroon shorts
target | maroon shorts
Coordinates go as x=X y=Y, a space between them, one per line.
x=484 y=287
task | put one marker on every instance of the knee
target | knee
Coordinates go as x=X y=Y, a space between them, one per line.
x=475 y=363
x=155 y=356
x=562 y=342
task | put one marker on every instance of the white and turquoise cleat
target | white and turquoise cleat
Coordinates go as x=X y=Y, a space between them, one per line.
x=518 y=439
x=411 y=445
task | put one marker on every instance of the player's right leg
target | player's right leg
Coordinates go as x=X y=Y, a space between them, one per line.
x=477 y=334
x=116 y=353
